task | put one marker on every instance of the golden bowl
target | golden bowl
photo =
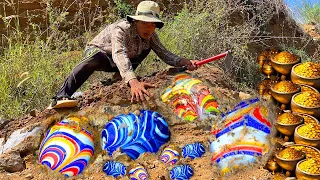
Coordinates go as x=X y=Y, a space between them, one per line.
x=313 y=111
x=267 y=69
x=297 y=79
x=305 y=87
x=307 y=155
x=288 y=164
x=283 y=97
x=284 y=67
x=298 y=139
x=304 y=175
x=272 y=165
x=261 y=89
x=287 y=129
x=313 y=118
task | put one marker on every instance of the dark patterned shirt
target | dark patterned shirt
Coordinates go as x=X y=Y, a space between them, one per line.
x=122 y=40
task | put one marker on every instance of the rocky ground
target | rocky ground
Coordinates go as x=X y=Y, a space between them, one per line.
x=18 y=156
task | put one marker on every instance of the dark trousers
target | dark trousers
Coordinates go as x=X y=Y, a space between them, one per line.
x=94 y=60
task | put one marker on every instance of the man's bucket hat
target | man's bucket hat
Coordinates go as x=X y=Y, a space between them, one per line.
x=147 y=11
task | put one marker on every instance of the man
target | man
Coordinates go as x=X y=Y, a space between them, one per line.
x=120 y=48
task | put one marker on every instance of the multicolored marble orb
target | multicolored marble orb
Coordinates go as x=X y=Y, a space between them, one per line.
x=170 y=155
x=135 y=135
x=183 y=172
x=66 y=148
x=115 y=169
x=193 y=150
x=244 y=137
x=138 y=173
x=190 y=99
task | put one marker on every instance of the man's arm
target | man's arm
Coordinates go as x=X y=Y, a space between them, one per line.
x=119 y=55
x=167 y=56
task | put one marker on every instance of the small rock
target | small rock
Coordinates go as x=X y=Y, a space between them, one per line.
x=3 y=122
x=12 y=162
x=29 y=176
x=244 y=96
x=33 y=113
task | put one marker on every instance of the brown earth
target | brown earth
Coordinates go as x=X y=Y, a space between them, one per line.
x=104 y=102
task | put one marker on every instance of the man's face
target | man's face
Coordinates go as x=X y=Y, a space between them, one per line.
x=145 y=29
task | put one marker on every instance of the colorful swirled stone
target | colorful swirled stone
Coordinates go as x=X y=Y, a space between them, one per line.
x=183 y=172
x=138 y=173
x=193 y=150
x=244 y=137
x=66 y=149
x=115 y=169
x=134 y=134
x=190 y=99
x=169 y=155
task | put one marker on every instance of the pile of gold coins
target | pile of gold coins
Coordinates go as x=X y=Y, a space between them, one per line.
x=308 y=119
x=311 y=166
x=285 y=57
x=308 y=70
x=285 y=86
x=289 y=118
x=294 y=86
x=306 y=88
x=308 y=99
x=311 y=131
x=308 y=151
x=290 y=154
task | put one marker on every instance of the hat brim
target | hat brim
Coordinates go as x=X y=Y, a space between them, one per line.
x=146 y=18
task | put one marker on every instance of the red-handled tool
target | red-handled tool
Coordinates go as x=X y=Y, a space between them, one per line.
x=204 y=61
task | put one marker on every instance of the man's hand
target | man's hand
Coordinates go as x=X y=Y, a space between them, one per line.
x=138 y=90
x=190 y=64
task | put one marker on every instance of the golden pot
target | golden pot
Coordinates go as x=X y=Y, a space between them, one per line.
x=295 y=78
x=288 y=164
x=283 y=68
x=261 y=89
x=283 y=97
x=315 y=119
x=306 y=141
x=311 y=147
x=313 y=111
x=287 y=129
x=304 y=175
x=267 y=69
x=272 y=165
x=303 y=86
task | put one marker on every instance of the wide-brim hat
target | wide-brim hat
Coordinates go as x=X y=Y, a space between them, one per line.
x=147 y=11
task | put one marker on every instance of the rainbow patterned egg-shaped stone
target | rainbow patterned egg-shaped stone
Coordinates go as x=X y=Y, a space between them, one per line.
x=169 y=156
x=115 y=169
x=135 y=135
x=193 y=150
x=138 y=173
x=183 y=172
x=65 y=149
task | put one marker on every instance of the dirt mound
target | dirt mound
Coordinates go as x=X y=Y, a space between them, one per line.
x=105 y=102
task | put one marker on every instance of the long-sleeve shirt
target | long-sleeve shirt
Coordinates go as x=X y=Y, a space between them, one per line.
x=122 y=41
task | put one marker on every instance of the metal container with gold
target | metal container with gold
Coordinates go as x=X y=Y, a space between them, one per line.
x=307 y=103
x=308 y=134
x=305 y=87
x=306 y=73
x=272 y=165
x=267 y=68
x=284 y=61
x=308 y=169
x=288 y=158
x=284 y=90
x=309 y=151
x=286 y=124
x=308 y=119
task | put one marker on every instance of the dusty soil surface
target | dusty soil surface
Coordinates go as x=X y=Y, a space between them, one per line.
x=104 y=102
